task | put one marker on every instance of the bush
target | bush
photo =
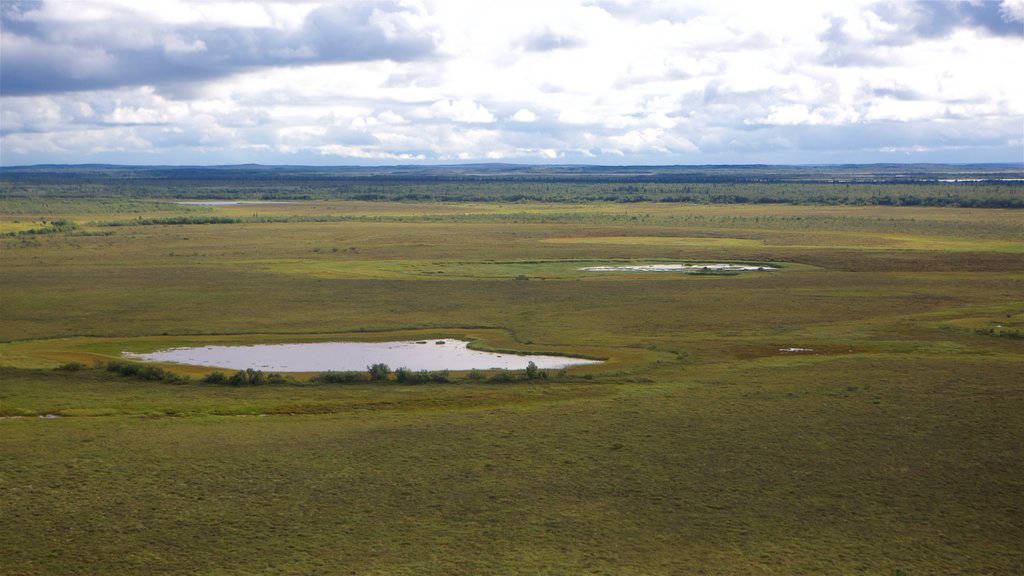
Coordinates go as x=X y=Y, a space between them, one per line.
x=378 y=371
x=275 y=378
x=532 y=373
x=250 y=377
x=407 y=376
x=1000 y=332
x=501 y=376
x=475 y=374
x=331 y=377
x=147 y=372
x=143 y=371
x=71 y=366
x=123 y=368
x=215 y=378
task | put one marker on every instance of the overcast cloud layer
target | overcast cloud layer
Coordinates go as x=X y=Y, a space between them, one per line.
x=436 y=81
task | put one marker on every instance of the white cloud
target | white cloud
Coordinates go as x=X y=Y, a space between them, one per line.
x=389 y=117
x=580 y=80
x=652 y=140
x=524 y=115
x=1012 y=10
x=462 y=110
x=174 y=44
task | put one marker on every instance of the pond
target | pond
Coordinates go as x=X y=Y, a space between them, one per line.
x=355 y=356
x=680 y=268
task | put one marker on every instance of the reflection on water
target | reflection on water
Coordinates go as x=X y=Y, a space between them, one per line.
x=352 y=356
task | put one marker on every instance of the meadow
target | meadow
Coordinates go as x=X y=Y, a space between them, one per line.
x=889 y=444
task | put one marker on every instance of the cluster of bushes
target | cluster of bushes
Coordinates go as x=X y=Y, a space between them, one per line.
x=247 y=377
x=407 y=376
x=142 y=371
x=373 y=373
x=332 y=377
x=53 y=227
x=174 y=220
x=530 y=373
x=378 y=371
x=1001 y=332
x=382 y=373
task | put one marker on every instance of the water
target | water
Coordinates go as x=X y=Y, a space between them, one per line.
x=679 y=268
x=354 y=356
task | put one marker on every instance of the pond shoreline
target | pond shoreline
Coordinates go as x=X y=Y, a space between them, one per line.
x=440 y=354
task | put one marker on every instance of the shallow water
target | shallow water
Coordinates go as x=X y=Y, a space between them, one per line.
x=354 y=356
x=679 y=268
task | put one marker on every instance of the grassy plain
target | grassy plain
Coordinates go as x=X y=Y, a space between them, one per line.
x=892 y=446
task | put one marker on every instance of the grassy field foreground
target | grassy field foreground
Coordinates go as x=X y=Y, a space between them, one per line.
x=891 y=446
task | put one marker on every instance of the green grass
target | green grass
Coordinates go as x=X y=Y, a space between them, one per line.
x=699 y=447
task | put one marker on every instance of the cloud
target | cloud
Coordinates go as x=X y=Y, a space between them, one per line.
x=792 y=115
x=649 y=11
x=524 y=115
x=61 y=47
x=938 y=19
x=440 y=81
x=651 y=140
x=463 y=110
x=547 y=40
x=1012 y=10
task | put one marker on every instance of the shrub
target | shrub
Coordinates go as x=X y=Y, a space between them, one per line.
x=407 y=376
x=215 y=378
x=501 y=376
x=331 y=377
x=143 y=371
x=1000 y=332
x=147 y=372
x=275 y=378
x=532 y=373
x=246 y=377
x=250 y=377
x=123 y=368
x=378 y=371
x=71 y=366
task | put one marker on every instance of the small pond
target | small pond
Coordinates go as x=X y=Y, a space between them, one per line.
x=354 y=356
x=680 y=268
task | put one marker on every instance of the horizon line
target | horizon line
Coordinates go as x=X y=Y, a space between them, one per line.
x=508 y=164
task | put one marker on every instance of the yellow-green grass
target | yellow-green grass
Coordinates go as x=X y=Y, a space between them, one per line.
x=872 y=467
x=16 y=226
x=559 y=269
x=892 y=446
x=792 y=240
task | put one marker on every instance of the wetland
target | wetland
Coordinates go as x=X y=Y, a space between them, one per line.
x=447 y=354
x=858 y=411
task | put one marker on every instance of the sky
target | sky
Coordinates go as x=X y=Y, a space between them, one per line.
x=550 y=82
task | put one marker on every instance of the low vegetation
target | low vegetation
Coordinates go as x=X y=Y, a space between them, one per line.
x=856 y=412
x=977 y=186
x=141 y=371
